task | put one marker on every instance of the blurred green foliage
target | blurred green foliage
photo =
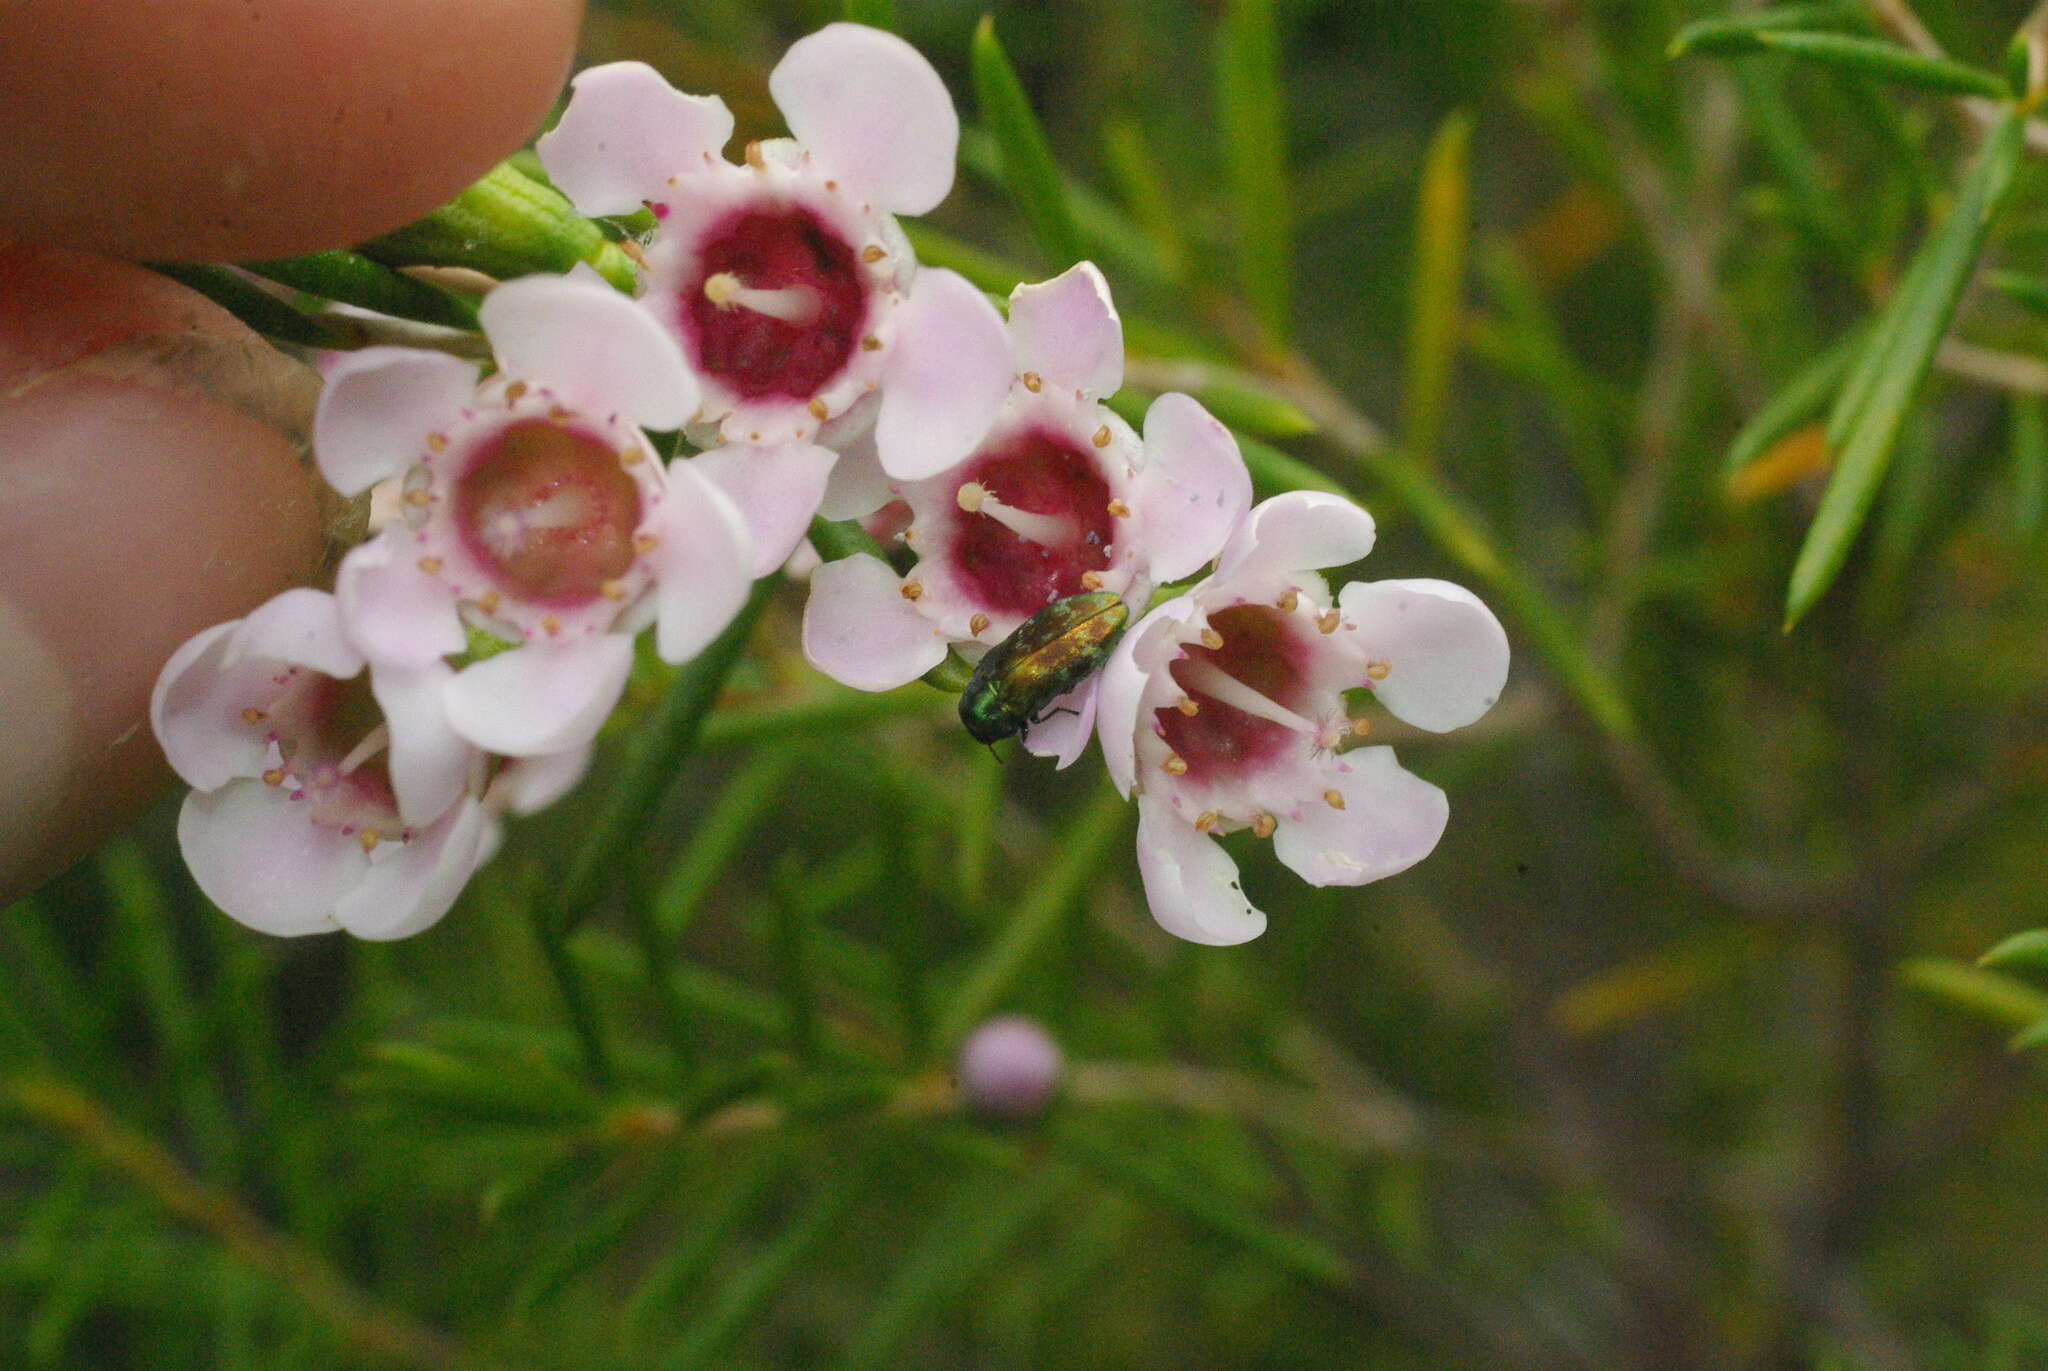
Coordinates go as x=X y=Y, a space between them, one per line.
x=1673 y=1056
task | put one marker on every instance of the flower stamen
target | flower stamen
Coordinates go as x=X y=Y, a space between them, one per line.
x=794 y=305
x=1047 y=530
x=1224 y=688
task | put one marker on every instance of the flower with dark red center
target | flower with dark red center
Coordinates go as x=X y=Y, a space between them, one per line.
x=531 y=509
x=318 y=802
x=795 y=298
x=1059 y=498
x=1225 y=709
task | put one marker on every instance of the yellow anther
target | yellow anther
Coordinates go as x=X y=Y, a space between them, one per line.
x=1361 y=727
x=1207 y=820
x=1289 y=602
x=515 y=392
x=1329 y=621
x=560 y=414
x=872 y=253
x=630 y=456
x=1033 y=382
x=633 y=252
x=1174 y=765
x=1091 y=580
x=1211 y=639
x=430 y=565
x=612 y=590
x=870 y=343
x=754 y=157
x=488 y=602
x=911 y=589
x=436 y=443
x=1334 y=798
x=369 y=838
x=1101 y=438
x=1186 y=705
x=419 y=497
x=1119 y=510
x=551 y=624
x=1263 y=824
x=252 y=715
x=818 y=408
x=1378 y=670
x=978 y=625
x=274 y=776
x=644 y=543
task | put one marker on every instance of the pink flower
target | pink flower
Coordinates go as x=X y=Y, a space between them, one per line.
x=1059 y=497
x=1224 y=709
x=532 y=508
x=793 y=293
x=321 y=799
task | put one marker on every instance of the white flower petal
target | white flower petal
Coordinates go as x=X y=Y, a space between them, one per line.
x=591 y=346
x=1194 y=489
x=1190 y=882
x=1447 y=656
x=870 y=109
x=624 y=133
x=945 y=378
x=257 y=855
x=527 y=785
x=702 y=564
x=1391 y=820
x=1068 y=723
x=302 y=627
x=196 y=709
x=1121 y=693
x=378 y=407
x=394 y=611
x=858 y=486
x=412 y=888
x=539 y=699
x=1299 y=531
x=859 y=630
x=1067 y=330
x=776 y=487
x=429 y=760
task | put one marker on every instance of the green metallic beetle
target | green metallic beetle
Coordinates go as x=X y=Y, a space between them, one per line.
x=1050 y=653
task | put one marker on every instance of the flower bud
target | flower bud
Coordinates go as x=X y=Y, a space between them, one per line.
x=1009 y=1068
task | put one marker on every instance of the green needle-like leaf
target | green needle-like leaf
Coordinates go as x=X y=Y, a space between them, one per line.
x=1848 y=52
x=1796 y=402
x=2029 y=466
x=1032 y=177
x=1436 y=284
x=1250 y=108
x=1738 y=32
x=1864 y=430
x=353 y=279
x=2026 y=951
x=2022 y=288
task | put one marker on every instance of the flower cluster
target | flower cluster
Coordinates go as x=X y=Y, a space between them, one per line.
x=351 y=754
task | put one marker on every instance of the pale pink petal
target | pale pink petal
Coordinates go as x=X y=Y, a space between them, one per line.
x=776 y=487
x=196 y=711
x=394 y=611
x=702 y=563
x=1122 y=690
x=858 y=486
x=1067 y=330
x=1194 y=489
x=257 y=855
x=945 y=378
x=1446 y=655
x=624 y=133
x=595 y=349
x=1064 y=731
x=527 y=785
x=1391 y=820
x=429 y=760
x=870 y=109
x=412 y=888
x=378 y=407
x=1190 y=882
x=1298 y=531
x=539 y=698
x=858 y=628
x=302 y=627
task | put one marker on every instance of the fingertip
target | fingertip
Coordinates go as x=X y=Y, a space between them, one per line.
x=240 y=129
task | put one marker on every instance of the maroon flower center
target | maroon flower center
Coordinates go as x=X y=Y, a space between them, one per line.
x=1038 y=473
x=1261 y=650
x=811 y=304
x=549 y=512
x=336 y=750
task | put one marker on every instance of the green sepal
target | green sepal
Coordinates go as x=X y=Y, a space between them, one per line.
x=482 y=645
x=505 y=225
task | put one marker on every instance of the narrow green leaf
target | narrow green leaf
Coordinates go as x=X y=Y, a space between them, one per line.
x=250 y=303
x=1987 y=994
x=877 y=14
x=1129 y=159
x=2029 y=512
x=698 y=1248
x=1722 y=32
x=1895 y=363
x=1816 y=207
x=506 y=224
x=1033 y=178
x=1436 y=284
x=2033 y=1036
x=1849 y=52
x=1250 y=108
x=663 y=740
x=353 y=279
x=2026 y=951
x=721 y=831
x=1797 y=402
x=2022 y=288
